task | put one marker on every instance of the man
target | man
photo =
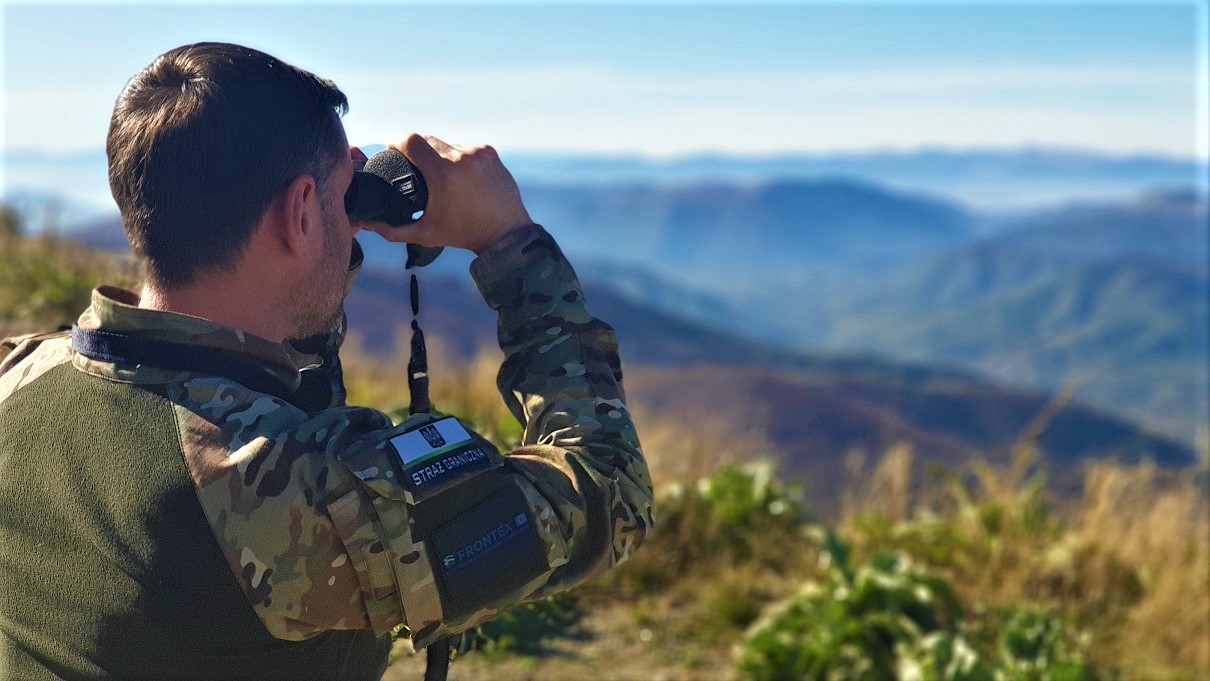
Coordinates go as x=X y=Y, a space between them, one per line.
x=172 y=505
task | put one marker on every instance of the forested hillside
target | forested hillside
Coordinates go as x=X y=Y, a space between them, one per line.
x=1110 y=298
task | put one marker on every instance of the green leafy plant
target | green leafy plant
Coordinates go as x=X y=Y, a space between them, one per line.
x=890 y=619
x=1033 y=644
x=850 y=625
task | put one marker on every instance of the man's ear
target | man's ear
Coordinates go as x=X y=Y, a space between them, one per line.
x=300 y=211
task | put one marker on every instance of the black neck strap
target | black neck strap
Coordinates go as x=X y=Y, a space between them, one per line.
x=125 y=348
x=418 y=361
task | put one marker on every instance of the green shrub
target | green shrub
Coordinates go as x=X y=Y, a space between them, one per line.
x=941 y=656
x=892 y=620
x=740 y=515
x=850 y=626
x=1032 y=643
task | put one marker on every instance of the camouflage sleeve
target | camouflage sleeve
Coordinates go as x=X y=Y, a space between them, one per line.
x=562 y=379
x=289 y=517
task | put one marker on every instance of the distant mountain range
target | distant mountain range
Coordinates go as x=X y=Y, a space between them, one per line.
x=1170 y=226
x=720 y=236
x=1113 y=298
x=989 y=180
x=715 y=236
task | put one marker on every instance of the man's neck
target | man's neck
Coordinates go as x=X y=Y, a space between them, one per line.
x=227 y=305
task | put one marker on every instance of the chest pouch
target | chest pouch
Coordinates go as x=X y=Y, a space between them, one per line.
x=478 y=530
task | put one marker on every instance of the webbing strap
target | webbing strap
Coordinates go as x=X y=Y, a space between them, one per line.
x=122 y=348
x=437 y=661
x=418 y=361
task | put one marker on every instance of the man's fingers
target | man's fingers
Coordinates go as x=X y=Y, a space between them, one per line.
x=415 y=233
x=419 y=152
x=442 y=147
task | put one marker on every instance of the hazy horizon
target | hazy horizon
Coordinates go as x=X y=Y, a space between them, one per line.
x=979 y=178
x=873 y=150
x=663 y=81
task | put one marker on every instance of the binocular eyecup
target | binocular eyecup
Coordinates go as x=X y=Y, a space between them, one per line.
x=389 y=189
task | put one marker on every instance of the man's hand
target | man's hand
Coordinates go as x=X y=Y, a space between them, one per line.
x=473 y=199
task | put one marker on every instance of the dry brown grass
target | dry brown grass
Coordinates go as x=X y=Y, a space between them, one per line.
x=683 y=445
x=466 y=387
x=886 y=490
x=1159 y=526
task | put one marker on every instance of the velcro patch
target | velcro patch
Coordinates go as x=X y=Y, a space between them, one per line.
x=439 y=455
x=488 y=552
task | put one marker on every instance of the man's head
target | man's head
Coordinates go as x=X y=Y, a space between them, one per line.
x=209 y=142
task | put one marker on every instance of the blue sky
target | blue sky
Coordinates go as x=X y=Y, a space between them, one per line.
x=662 y=79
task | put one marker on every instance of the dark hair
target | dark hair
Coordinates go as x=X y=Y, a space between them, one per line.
x=200 y=143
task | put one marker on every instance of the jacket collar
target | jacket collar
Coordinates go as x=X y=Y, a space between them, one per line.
x=117 y=310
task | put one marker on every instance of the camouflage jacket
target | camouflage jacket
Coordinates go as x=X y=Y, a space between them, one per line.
x=305 y=505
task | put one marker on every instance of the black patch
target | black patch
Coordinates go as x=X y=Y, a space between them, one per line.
x=376 y=547
x=543 y=242
x=571 y=296
x=409 y=558
x=430 y=476
x=487 y=552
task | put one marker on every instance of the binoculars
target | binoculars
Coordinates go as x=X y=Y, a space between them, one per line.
x=389 y=189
